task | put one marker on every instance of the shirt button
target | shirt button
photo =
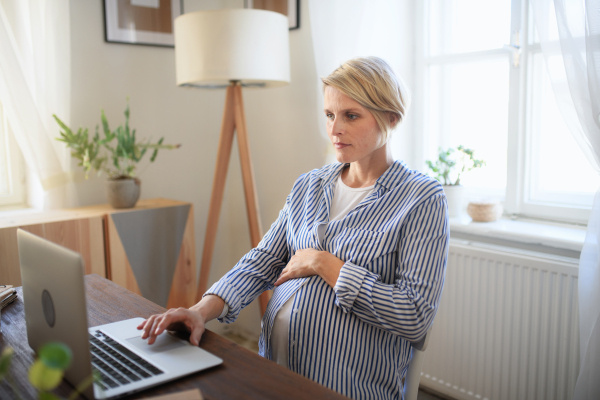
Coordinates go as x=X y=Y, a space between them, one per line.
x=295 y=310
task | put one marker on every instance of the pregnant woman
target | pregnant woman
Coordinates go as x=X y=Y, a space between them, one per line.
x=357 y=256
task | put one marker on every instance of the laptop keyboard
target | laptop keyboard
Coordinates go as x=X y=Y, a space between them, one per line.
x=117 y=365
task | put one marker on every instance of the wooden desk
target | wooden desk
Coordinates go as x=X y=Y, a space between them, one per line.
x=243 y=374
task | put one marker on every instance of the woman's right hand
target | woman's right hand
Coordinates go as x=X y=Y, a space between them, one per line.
x=190 y=320
x=175 y=319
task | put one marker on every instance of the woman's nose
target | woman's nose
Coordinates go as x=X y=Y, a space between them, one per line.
x=337 y=127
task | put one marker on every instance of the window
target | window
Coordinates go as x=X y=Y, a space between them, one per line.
x=12 y=174
x=481 y=92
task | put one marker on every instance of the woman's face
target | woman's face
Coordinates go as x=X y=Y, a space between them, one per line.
x=351 y=128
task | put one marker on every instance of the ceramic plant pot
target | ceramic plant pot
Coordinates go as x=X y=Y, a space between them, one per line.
x=455 y=195
x=484 y=211
x=123 y=193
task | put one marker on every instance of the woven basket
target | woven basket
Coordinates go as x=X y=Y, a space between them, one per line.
x=484 y=211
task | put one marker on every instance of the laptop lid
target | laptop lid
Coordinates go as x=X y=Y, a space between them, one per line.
x=54 y=299
x=55 y=310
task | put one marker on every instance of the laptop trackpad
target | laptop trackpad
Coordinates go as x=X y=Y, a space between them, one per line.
x=164 y=342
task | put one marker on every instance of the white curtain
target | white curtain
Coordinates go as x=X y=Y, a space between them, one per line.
x=34 y=84
x=569 y=33
x=343 y=29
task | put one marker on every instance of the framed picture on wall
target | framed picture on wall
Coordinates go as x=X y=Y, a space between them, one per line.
x=147 y=22
x=291 y=8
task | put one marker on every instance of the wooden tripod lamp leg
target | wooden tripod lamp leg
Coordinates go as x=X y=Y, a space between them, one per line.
x=247 y=169
x=249 y=183
x=216 y=199
x=233 y=118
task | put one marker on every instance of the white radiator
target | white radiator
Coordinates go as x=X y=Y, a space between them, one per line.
x=507 y=326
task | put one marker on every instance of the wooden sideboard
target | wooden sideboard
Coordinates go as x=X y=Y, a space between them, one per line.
x=148 y=249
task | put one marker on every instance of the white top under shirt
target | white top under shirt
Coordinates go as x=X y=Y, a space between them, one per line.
x=345 y=199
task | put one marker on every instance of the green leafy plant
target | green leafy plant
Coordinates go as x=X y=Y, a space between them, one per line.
x=46 y=373
x=451 y=163
x=116 y=153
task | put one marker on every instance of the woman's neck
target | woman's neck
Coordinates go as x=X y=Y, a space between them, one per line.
x=366 y=171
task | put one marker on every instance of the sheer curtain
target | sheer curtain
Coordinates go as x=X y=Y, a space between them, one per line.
x=34 y=84
x=569 y=31
x=343 y=29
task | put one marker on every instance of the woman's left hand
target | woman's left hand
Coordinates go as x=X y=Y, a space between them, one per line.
x=309 y=262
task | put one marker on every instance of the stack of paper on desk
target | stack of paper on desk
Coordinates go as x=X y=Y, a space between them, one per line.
x=7 y=295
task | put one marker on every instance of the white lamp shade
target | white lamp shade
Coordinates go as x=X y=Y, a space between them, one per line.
x=218 y=46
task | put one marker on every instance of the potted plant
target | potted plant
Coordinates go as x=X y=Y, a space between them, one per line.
x=116 y=154
x=447 y=169
x=47 y=372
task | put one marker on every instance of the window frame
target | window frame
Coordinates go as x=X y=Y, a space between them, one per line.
x=519 y=135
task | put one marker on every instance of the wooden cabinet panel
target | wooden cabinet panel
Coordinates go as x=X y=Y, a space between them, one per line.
x=183 y=288
x=149 y=249
x=10 y=272
x=152 y=253
x=120 y=269
x=97 y=247
x=85 y=236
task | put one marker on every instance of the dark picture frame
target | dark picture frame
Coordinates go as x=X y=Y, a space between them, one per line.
x=143 y=22
x=289 y=8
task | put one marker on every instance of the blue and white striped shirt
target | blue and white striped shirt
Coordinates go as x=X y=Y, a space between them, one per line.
x=354 y=338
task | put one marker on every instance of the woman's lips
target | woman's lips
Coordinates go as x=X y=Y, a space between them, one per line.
x=340 y=145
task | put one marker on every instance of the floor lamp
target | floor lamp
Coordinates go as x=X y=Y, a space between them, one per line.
x=231 y=49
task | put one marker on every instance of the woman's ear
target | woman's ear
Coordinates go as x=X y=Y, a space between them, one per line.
x=394 y=119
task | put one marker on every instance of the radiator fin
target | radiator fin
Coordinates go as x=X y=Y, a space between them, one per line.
x=507 y=327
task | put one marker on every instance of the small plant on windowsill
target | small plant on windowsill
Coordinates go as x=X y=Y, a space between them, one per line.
x=116 y=154
x=448 y=168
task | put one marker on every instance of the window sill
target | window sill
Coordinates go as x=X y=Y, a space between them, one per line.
x=547 y=237
x=15 y=209
x=16 y=214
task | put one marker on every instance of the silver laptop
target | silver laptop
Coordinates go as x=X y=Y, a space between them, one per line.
x=55 y=310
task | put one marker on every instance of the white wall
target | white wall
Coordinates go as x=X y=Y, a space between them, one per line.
x=281 y=124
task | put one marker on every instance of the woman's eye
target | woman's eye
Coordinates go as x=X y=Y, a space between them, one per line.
x=329 y=116
x=352 y=116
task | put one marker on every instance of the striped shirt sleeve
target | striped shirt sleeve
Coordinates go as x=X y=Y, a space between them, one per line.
x=407 y=307
x=257 y=271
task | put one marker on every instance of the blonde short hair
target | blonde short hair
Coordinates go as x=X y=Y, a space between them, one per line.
x=371 y=82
